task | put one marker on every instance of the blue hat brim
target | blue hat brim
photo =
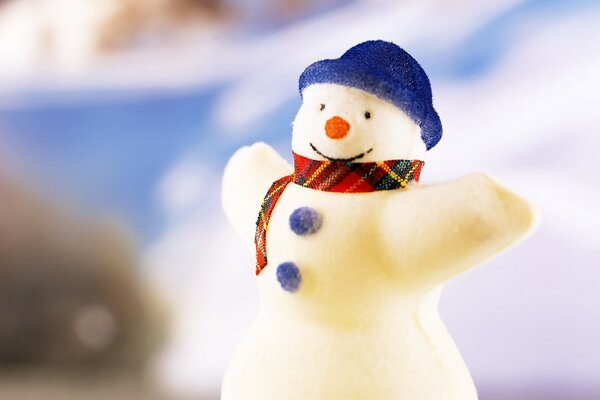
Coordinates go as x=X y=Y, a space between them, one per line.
x=381 y=84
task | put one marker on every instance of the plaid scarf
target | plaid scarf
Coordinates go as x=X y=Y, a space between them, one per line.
x=333 y=176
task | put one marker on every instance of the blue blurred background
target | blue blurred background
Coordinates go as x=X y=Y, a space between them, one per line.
x=123 y=113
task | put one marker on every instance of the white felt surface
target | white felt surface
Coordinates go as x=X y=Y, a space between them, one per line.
x=364 y=324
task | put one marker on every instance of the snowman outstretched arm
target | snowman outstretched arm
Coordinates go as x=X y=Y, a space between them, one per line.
x=248 y=175
x=448 y=228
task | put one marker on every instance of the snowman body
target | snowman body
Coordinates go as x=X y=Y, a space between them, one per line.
x=362 y=322
x=359 y=328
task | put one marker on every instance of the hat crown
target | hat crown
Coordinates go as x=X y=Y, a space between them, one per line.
x=394 y=60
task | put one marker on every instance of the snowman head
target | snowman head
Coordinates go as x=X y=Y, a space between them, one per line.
x=374 y=103
x=338 y=122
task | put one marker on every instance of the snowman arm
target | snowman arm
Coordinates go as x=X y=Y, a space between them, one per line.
x=247 y=177
x=451 y=227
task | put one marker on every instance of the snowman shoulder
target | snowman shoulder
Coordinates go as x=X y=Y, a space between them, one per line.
x=247 y=177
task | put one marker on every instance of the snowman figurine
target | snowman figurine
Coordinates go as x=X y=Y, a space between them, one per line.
x=351 y=252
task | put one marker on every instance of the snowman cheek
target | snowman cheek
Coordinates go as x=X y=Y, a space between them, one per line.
x=336 y=127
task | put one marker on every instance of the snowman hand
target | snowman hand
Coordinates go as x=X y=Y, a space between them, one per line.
x=448 y=228
x=248 y=175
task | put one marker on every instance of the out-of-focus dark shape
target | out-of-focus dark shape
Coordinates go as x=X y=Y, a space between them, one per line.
x=69 y=291
x=46 y=384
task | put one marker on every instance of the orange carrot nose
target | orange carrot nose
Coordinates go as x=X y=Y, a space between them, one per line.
x=336 y=127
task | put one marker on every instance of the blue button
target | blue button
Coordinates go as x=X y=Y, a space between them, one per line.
x=289 y=276
x=305 y=221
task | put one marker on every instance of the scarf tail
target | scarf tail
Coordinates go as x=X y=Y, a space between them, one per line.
x=266 y=209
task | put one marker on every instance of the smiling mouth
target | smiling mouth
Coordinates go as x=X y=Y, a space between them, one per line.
x=349 y=159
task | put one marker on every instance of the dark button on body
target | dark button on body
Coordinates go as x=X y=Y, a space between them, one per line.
x=289 y=276
x=305 y=221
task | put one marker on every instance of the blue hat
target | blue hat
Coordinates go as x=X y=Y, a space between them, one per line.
x=390 y=73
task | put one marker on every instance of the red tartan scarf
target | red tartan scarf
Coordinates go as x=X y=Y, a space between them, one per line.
x=333 y=176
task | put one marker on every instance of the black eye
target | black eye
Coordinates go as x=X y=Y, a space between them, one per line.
x=367 y=115
x=322 y=107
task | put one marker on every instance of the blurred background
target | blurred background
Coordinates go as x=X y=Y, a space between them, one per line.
x=121 y=279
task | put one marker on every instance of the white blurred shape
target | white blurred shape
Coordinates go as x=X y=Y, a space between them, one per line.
x=36 y=35
x=183 y=186
x=210 y=278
